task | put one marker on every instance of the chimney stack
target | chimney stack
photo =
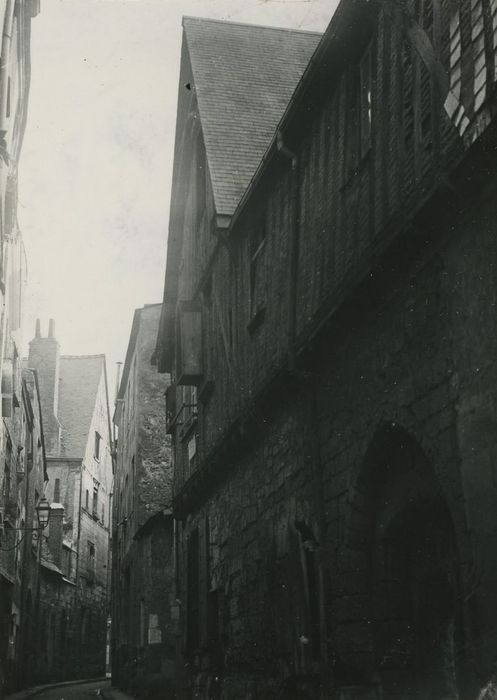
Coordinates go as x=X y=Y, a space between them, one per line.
x=44 y=354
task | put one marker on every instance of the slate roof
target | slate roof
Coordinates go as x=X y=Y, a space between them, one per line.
x=244 y=77
x=78 y=386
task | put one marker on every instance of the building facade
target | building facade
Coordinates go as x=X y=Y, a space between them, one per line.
x=21 y=470
x=25 y=477
x=74 y=601
x=331 y=319
x=143 y=592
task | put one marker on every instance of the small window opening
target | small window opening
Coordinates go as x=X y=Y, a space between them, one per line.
x=98 y=438
x=95 y=500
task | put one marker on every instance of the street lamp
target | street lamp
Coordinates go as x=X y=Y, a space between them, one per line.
x=42 y=516
x=43 y=513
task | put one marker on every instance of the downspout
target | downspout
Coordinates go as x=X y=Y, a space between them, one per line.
x=308 y=403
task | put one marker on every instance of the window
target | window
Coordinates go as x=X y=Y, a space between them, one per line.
x=96 y=453
x=189 y=343
x=359 y=92
x=56 y=491
x=366 y=89
x=95 y=501
x=90 y=561
x=87 y=499
x=257 y=250
x=192 y=449
x=103 y=514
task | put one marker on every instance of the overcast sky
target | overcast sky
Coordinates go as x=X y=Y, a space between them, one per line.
x=96 y=164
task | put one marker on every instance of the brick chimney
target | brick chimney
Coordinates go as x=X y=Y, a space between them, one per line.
x=56 y=532
x=44 y=354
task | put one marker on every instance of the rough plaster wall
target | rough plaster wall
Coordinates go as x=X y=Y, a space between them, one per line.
x=154 y=469
x=102 y=469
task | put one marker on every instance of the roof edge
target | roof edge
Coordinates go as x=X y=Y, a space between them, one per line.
x=254 y=25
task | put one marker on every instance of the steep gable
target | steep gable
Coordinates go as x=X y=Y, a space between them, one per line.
x=244 y=77
x=80 y=378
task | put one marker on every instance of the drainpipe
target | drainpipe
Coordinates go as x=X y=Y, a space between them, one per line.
x=294 y=246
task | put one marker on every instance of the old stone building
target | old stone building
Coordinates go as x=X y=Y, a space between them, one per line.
x=329 y=325
x=17 y=476
x=21 y=541
x=143 y=595
x=74 y=599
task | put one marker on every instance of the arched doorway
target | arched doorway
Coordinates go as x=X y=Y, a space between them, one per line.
x=414 y=587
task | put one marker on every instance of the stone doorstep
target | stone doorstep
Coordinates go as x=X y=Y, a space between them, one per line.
x=30 y=692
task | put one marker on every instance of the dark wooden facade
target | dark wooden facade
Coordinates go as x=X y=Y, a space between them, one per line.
x=338 y=325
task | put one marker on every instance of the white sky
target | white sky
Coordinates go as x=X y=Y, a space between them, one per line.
x=95 y=169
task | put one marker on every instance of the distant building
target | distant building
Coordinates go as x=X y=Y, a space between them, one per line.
x=143 y=596
x=332 y=345
x=76 y=559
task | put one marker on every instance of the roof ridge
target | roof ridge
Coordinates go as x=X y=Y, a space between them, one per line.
x=82 y=357
x=250 y=24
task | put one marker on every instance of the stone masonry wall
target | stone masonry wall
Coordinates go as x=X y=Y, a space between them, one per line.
x=420 y=355
x=153 y=447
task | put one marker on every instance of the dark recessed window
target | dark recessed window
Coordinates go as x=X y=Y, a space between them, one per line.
x=98 y=438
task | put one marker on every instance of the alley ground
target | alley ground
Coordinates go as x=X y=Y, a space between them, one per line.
x=86 y=691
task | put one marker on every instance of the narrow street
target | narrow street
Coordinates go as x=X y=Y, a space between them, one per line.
x=85 y=691
x=248 y=350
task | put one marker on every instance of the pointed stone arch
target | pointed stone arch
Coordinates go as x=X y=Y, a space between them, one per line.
x=405 y=603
